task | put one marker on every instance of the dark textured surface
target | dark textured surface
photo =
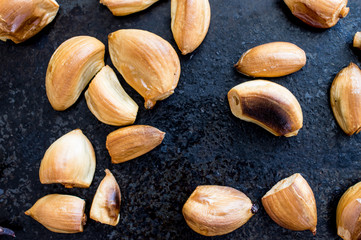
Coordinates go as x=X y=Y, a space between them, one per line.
x=204 y=144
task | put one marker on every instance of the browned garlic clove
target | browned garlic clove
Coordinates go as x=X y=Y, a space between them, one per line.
x=217 y=210
x=126 y=7
x=59 y=213
x=106 y=203
x=70 y=160
x=130 y=142
x=291 y=204
x=357 y=40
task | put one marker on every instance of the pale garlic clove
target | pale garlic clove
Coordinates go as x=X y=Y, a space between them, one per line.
x=6 y=232
x=291 y=204
x=108 y=101
x=273 y=59
x=59 y=213
x=190 y=23
x=216 y=210
x=106 y=203
x=147 y=62
x=72 y=66
x=357 y=40
x=22 y=19
x=318 y=13
x=348 y=214
x=131 y=142
x=267 y=104
x=70 y=160
x=345 y=97
x=126 y=7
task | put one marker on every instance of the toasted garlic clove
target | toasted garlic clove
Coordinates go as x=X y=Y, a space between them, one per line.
x=147 y=62
x=70 y=69
x=217 y=210
x=20 y=20
x=108 y=101
x=291 y=204
x=268 y=105
x=345 y=97
x=106 y=203
x=130 y=142
x=348 y=214
x=126 y=7
x=70 y=160
x=190 y=23
x=59 y=213
x=318 y=13
x=357 y=40
x=273 y=59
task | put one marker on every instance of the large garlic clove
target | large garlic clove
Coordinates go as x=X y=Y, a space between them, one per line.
x=348 y=214
x=106 y=203
x=131 y=142
x=126 y=7
x=59 y=213
x=291 y=204
x=108 y=101
x=22 y=19
x=268 y=105
x=273 y=59
x=147 y=62
x=345 y=97
x=357 y=40
x=70 y=69
x=319 y=13
x=217 y=210
x=70 y=160
x=190 y=23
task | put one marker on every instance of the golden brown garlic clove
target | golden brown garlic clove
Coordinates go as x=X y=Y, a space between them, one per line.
x=268 y=105
x=345 y=97
x=217 y=210
x=106 y=203
x=130 y=142
x=357 y=40
x=59 y=213
x=22 y=19
x=147 y=62
x=291 y=204
x=108 y=101
x=70 y=69
x=70 y=160
x=126 y=7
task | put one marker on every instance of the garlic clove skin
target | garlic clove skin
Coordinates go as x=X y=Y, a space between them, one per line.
x=108 y=101
x=291 y=204
x=106 y=203
x=268 y=105
x=71 y=67
x=70 y=160
x=147 y=62
x=345 y=98
x=126 y=7
x=217 y=210
x=59 y=213
x=357 y=40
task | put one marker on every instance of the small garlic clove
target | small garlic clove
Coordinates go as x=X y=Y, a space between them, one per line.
x=126 y=7
x=217 y=210
x=72 y=66
x=59 y=213
x=131 y=142
x=291 y=204
x=268 y=105
x=357 y=40
x=108 y=101
x=70 y=160
x=147 y=62
x=106 y=203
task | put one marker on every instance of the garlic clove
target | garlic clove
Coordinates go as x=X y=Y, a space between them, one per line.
x=217 y=210
x=70 y=160
x=106 y=203
x=291 y=204
x=70 y=69
x=131 y=142
x=126 y=7
x=147 y=62
x=268 y=105
x=59 y=213
x=357 y=40
x=108 y=101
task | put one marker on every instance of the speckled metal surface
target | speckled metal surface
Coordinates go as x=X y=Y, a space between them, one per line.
x=204 y=144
